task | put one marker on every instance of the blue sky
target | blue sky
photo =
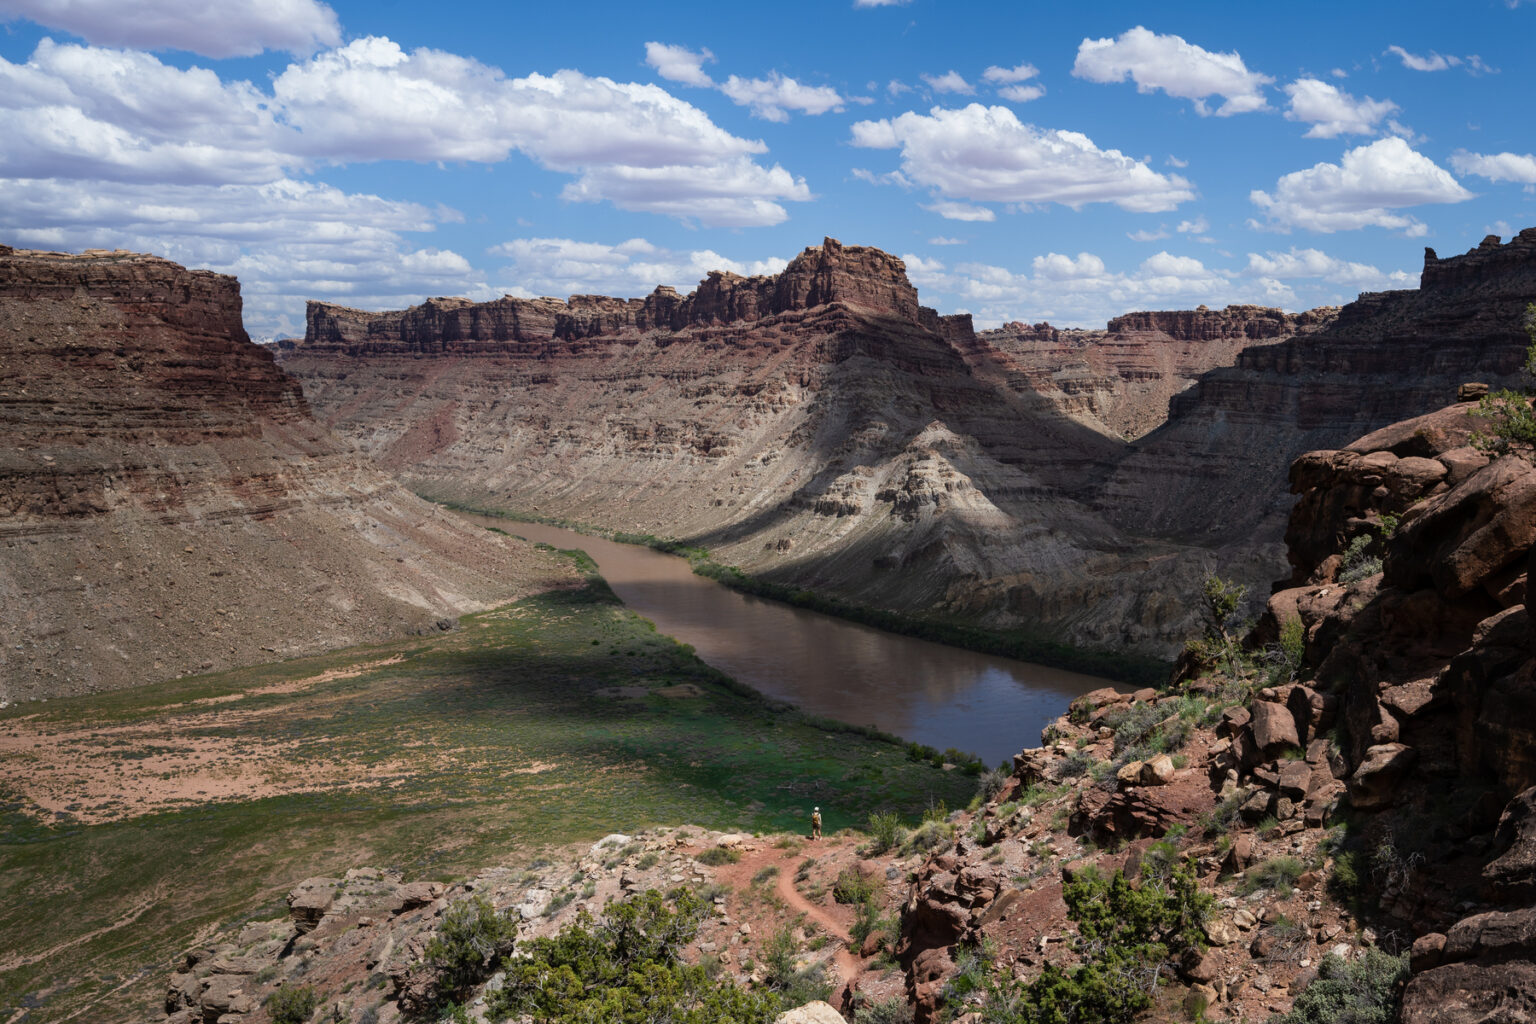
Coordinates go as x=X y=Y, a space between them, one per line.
x=1029 y=161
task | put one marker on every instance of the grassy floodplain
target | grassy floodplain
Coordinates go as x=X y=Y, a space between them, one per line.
x=133 y=824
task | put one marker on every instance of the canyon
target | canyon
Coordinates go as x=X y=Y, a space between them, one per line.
x=168 y=505
x=822 y=429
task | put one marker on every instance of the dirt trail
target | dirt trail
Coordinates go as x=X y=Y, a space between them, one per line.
x=849 y=967
x=737 y=876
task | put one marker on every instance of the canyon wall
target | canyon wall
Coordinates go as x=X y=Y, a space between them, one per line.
x=1211 y=472
x=821 y=428
x=169 y=505
x=1123 y=377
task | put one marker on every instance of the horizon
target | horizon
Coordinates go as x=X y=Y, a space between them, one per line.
x=1063 y=166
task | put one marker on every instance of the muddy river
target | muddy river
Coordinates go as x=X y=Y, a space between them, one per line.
x=934 y=694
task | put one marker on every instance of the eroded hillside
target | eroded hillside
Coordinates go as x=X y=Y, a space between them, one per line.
x=168 y=504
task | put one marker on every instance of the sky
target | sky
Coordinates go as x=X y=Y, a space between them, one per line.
x=1033 y=162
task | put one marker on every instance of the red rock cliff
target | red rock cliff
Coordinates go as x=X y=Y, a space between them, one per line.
x=167 y=503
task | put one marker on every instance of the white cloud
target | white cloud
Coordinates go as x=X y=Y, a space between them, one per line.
x=84 y=112
x=1177 y=67
x=1362 y=190
x=1314 y=263
x=1145 y=235
x=985 y=154
x=880 y=3
x=1332 y=112
x=1497 y=166
x=228 y=28
x=1006 y=76
x=889 y=178
x=1413 y=62
x=1021 y=93
x=679 y=64
x=946 y=241
x=563 y=266
x=1198 y=226
x=949 y=81
x=1077 y=290
x=960 y=211
x=773 y=97
x=287 y=240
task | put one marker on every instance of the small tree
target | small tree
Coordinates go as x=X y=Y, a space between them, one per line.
x=1512 y=426
x=471 y=940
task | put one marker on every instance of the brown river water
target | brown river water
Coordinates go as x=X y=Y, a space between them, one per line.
x=932 y=693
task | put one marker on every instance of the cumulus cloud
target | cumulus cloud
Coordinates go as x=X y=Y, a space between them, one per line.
x=1177 y=67
x=679 y=64
x=949 y=81
x=1005 y=76
x=1363 y=190
x=86 y=112
x=229 y=28
x=773 y=97
x=1314 y=263
x=1497 y=166
x=880 y=3
x=564 y=266
x=1331 y=111
x=1076 y=290
x=1021 y=93
x=985 y=154
x=287 y=240
x=1148 y=235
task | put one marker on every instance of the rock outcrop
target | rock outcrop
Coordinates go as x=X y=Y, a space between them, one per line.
x=168 y=504
x=1123 y=377
x=1210 y=472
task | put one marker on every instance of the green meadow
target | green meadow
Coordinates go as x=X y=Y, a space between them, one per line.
x=554 y=720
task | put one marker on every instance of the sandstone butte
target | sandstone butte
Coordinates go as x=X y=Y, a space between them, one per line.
x=168 y=505
x=1395 y=773
x=823 y=429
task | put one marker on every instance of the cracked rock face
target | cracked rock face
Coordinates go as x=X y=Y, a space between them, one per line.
x=168 y=505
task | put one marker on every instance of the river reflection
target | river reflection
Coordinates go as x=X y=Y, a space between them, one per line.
x=938 y=695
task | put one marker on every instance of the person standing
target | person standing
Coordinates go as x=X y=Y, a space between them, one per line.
x=816 y=823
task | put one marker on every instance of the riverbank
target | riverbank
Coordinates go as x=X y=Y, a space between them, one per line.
x=1130 y=670
x=132 y=823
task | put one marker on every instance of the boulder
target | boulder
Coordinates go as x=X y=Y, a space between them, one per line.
x=1274 y=728
x=1377 y=782
x=1471 y=993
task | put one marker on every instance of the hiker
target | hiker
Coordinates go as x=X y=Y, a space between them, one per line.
x=816 y=823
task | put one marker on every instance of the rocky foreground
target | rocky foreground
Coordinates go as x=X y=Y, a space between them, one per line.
x=823 y=429
x=168 y=505
x=1358 y=785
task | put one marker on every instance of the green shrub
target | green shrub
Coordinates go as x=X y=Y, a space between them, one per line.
x=718 y=855
x=473 y=935
x=1127 y=937
x=648 y=861
x=1365 y=991
x=765 y=876
x=625 y=970
x=291 y=1004
x=992 y=782
x=1278 y=873
x=891 y=1011
x=797 y=987
x=852 y=886
x=927 y=836
x=1359 y=563
x=886 y=831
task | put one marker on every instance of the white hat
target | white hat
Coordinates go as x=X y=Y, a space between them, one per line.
x=815 y=808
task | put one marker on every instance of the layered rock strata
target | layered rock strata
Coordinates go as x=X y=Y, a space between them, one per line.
x=821 y=428
x=829 y=432
x=1123 y=377
x=168 y=505
x=1210 y=473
